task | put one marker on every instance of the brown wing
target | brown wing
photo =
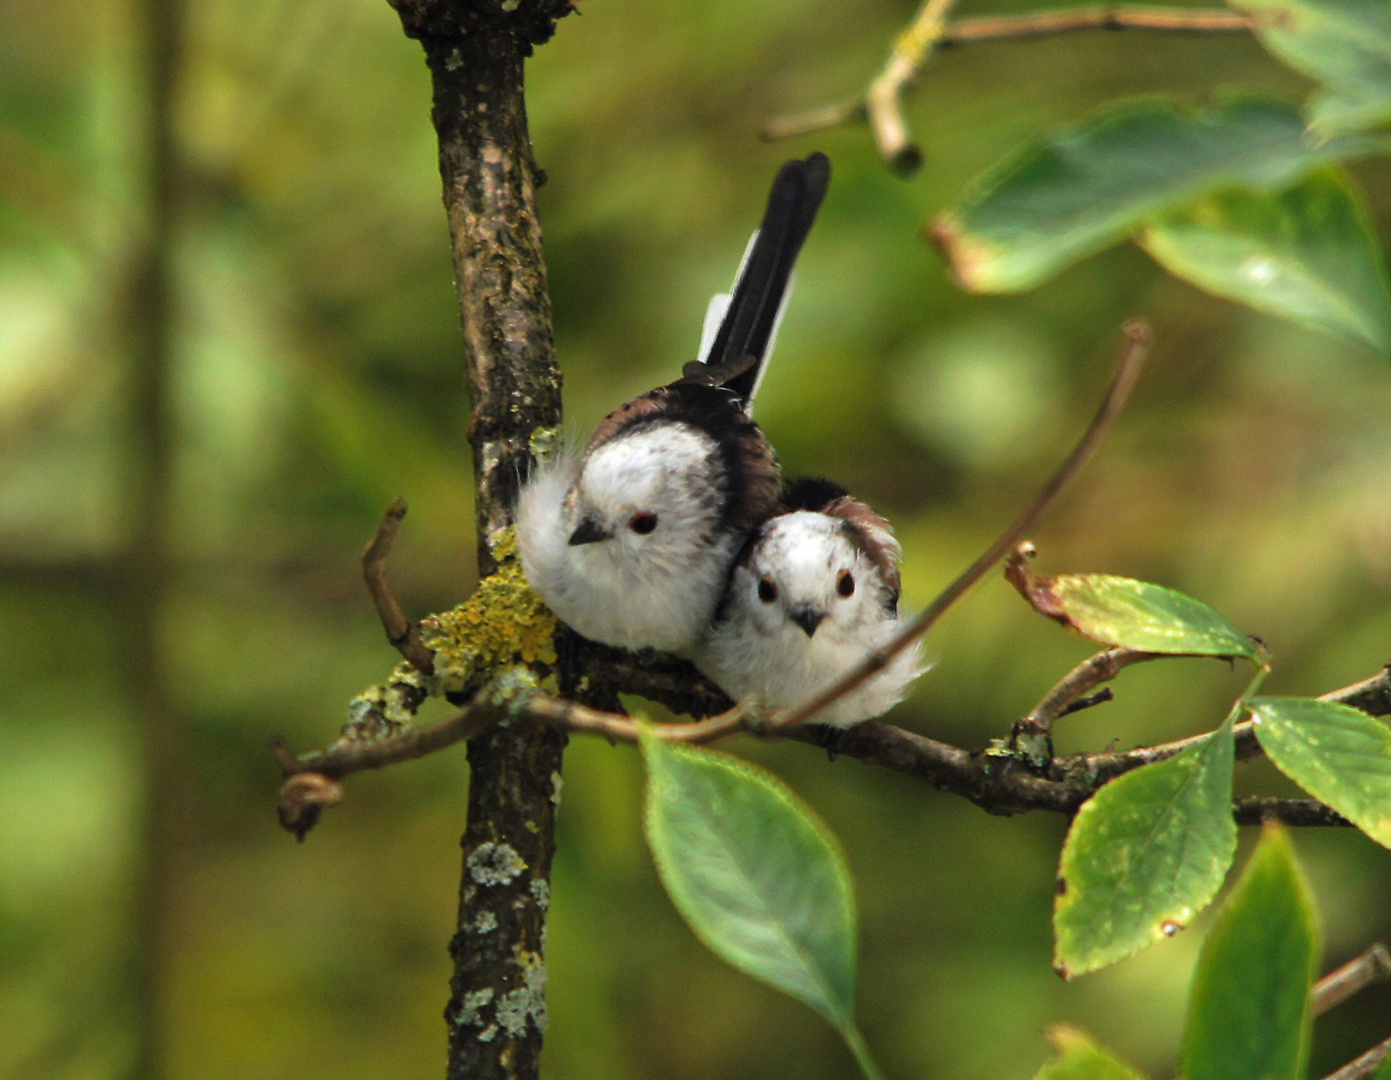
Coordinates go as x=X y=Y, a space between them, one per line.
x=750 y=464
x=871 y=534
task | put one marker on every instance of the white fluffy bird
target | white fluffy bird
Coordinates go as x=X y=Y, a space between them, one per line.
x=814 y=591
x=630 y=543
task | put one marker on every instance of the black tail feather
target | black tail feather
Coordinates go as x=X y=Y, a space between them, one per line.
x=757 y=299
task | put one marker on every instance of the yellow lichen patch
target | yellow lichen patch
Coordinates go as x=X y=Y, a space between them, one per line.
x=545 y=442
x=503 y=623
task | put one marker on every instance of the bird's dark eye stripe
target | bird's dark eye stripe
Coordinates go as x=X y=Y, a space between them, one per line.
x=845 y=583
x=767 y=591
x=643 y=523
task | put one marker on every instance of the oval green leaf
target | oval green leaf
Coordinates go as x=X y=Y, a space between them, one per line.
x=1344 y=44
x=753 y=872
x=1248 y=1009
x=1078 y=1057
x=1078 y=189
x=1143 y=855
x=1307 y=254
x=1138 y=615
x=1338 y=754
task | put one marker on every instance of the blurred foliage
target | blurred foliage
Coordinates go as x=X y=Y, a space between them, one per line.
x=318 y=375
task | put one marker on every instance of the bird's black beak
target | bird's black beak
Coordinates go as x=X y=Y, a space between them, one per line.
x=588 y=532
x=808 y=619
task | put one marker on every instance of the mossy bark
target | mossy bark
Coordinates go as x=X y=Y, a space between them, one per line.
x=476 y=53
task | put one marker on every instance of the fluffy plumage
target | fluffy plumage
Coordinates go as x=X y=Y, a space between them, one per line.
x=812 y=593
x=631 y=543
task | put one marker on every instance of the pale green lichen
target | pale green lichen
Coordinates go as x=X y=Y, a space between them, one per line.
x=468 y=1011
x=503 y=632
x=494 y=864
x=382 y=708
x=527 y=1003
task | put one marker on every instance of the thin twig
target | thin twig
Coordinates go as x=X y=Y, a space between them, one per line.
x=1048 y=23
x=400 y=631
x=617 y=728
x=412 y=741
x=884 y=96
x=1364 y=1065
x=1373 y=966
x=928 y=33
x=311 y=781
x=1137 y=334
x=1372 y=696
x=1099 y=668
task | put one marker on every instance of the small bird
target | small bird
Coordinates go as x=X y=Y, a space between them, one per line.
x=630 y=543
x=814 y=591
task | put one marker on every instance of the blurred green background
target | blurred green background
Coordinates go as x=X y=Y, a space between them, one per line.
x=315 y=373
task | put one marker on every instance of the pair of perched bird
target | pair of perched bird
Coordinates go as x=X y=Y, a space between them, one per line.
x=674 y=531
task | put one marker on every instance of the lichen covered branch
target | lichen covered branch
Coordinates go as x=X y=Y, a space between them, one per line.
x=476 y=54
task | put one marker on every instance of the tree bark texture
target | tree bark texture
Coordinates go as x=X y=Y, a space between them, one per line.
x=476 y=52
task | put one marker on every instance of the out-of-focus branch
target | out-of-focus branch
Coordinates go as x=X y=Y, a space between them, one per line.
x=1373 y=966
x=929 y=32
x=145 y=570
x=1365 y=1065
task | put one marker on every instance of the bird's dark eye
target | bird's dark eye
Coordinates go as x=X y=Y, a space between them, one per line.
x=845 y=583
x=767 y=591
x=643 y=523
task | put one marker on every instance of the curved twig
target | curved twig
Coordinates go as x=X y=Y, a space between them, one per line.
x=882 y=102
x=1098 y=668
x=1137 y=335
x=400 y=631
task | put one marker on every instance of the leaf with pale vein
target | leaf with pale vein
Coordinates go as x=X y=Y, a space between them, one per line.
x=753 y=872
x=1336 y=753
x=1144 y=854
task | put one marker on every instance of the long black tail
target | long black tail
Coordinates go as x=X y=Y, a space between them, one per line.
x=760 y=292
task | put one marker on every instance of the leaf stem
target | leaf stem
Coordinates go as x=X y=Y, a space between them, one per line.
x=856 y=1042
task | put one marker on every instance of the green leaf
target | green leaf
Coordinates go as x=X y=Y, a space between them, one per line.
x=1079 y=189
x=1079 y=1058
x=1336 y=753
x=759 y=879
x=1143 y=855
x=1344 y=44
x=1308 y=254
x=1248 y=1010
x=1133 y=614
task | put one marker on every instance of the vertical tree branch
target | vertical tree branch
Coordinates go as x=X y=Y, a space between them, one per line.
x=145 y=571
x=476 y=52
